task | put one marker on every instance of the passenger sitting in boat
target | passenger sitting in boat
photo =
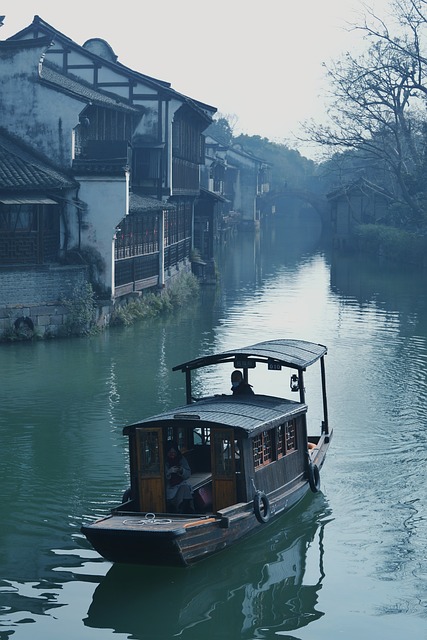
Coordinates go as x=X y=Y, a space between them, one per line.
x=238 y=385
x=179 y=494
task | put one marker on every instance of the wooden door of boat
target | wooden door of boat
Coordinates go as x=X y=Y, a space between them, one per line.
x=223 y=468
x=151 y=468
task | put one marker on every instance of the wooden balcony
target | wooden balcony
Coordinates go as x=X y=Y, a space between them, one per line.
x=185 y=177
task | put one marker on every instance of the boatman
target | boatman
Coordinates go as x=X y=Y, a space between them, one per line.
x=179 y=492
x=239 y=386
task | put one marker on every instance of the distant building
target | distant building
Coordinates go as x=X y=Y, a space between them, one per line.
x=234 y=183
x=359 y=202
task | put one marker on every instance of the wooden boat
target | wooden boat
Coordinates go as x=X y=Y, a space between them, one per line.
x=283 y=581
x=250 y=456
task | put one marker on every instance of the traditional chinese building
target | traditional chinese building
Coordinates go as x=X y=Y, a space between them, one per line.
x=359 y=202
x=126 y=149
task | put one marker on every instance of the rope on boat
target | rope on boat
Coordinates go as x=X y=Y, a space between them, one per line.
x=150 y=518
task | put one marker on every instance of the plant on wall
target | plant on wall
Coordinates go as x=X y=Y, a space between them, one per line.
x=80 y=310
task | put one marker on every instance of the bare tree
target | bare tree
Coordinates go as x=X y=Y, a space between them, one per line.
x=378 y=103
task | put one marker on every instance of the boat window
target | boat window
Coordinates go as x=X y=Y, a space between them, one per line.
x=181 y=438
x=201 y=435
x=263 y=449
x=224 y=454
x=149 y=452
x=290 y=436
x=182 y=435
x=286 y=438
x=281 y=447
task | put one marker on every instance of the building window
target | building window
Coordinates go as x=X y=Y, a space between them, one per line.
x=19 y=219
x=29 y=233
x=146 y=166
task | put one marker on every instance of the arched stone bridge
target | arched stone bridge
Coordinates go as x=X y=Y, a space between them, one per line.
x=317 y=201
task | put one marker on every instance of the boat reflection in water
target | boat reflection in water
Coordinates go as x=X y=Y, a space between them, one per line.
x=269 y=582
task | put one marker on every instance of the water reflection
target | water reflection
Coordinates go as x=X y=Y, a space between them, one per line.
x=262 y=587
x=399 y=290
x=63 y=460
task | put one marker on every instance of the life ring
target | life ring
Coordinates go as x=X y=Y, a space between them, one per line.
x=314 y=477
x=261 y=507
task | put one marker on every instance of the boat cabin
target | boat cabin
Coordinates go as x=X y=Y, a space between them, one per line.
x=227 y=461
x=235 y=445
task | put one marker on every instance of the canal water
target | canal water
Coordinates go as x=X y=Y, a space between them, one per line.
x=350 y=563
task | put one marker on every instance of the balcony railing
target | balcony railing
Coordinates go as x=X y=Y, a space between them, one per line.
x=185 y=177
x=104 y=150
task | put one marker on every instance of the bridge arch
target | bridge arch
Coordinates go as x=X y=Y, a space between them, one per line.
x=319 y=203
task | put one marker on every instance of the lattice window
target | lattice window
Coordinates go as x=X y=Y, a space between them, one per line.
x=267 y=447
x=18 y=219
x=257 y=451
x=290 y=436
x=263 y=449
x=281 y=448
x=286 y=438
x=29 y=233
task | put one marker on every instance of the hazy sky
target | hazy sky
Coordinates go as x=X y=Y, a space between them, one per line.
x=260 y=60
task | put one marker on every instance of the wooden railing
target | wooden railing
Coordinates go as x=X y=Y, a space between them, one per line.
x=185 y=177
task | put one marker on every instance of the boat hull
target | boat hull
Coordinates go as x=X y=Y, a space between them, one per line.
x=149 y=544
x=172 y=540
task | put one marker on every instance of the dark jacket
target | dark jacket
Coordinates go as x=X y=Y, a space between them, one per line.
x=244 y=388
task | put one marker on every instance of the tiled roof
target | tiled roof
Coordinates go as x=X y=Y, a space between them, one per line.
x=40 y=28
x=143 y=204
x=23 y=170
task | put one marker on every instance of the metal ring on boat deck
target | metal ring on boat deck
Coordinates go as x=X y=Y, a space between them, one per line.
x=314 y=477
x=261 y=507
x=150 y=518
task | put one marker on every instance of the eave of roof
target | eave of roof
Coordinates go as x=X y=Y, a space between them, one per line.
x=205 y=193
x=22 y=170
x=26 y=43
x=145 y=204
x=251 y=414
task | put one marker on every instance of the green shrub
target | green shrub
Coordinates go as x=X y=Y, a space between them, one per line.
x=150 y=305
x=395 y=244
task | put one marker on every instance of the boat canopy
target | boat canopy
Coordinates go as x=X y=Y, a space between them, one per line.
x=296 y=354
x=251 y=413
